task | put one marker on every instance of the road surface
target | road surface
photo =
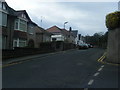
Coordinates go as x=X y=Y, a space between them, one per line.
x=68 y=69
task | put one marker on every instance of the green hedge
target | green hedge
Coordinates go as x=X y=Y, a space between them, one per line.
x=113 y=20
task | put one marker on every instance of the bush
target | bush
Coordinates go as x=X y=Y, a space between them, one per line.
x=113 y=20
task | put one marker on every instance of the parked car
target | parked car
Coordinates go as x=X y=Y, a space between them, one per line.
x=83 y=46
x=90 y=46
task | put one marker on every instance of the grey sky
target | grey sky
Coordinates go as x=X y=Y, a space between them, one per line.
x=87 y=17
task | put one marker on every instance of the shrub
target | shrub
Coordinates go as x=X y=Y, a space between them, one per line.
x=113 y=20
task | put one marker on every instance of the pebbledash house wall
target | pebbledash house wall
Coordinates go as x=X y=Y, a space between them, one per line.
x=41 y=36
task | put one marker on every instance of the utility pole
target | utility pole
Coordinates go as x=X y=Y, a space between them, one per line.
x=64 y=24
x=41 y=21
x=119 y=6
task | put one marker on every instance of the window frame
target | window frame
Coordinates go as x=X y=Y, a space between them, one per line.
x=0 y=5
x=31 y=29
x=19 y=21
x=3 y=22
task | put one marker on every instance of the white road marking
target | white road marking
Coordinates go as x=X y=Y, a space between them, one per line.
x=100 y=69
x=102 y=66
x=85 y=88
x=90 y=82
x=96 y=74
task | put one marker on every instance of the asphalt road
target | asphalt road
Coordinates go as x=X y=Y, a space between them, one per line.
x=71 y=69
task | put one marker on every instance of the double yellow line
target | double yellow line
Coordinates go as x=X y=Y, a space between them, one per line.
x=101 y=60
x=102 y=57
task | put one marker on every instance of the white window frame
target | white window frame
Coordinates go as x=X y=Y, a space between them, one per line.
x=19 y=25
x=1 y=21
x=23 y=41
x=18 y=42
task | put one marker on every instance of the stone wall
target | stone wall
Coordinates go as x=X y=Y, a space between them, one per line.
x=113 y=49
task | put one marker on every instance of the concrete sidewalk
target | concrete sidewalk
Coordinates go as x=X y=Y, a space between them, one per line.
x=21 y=59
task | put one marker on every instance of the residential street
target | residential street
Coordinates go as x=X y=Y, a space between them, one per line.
x=68 y=69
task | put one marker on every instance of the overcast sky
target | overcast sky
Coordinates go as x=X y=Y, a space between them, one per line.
x=86 y=17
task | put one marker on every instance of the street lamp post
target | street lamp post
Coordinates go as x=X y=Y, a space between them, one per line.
x=64 y=24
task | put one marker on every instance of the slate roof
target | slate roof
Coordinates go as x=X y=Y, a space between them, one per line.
x=17 y=13
x=74 y=33
x=10 y=10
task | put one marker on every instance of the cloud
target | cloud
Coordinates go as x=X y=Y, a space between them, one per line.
x=87 y=17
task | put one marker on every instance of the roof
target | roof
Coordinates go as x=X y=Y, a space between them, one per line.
x=66 y=32
x=54 y=29
x=17 y=13
x=74 y=33
x=10 y=10
x=41 y=30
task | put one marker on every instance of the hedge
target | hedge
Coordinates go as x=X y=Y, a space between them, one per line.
x=113 y=20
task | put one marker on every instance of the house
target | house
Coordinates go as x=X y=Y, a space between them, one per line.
x=41 y=36
x=21 y=29
x=31 y=34
x=58 y=34
x=7 y=18
x=18 y=30
x=75 y=35
x=61 y=35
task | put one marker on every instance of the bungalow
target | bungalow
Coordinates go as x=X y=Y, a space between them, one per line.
x=61 y=35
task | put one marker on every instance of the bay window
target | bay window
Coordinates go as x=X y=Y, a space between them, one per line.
x=0 y=5
x=19 y=43
x=0 y=18
x=30 y=29
x=22 y=43
x=21 y=25
x=3 y=19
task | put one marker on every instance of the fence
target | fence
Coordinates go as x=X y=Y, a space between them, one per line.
x=46 y=47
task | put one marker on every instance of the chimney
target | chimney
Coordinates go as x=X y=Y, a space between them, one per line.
x=70 y=29
x=79 y=36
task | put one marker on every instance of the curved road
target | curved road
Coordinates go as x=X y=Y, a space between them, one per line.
x=68 y=69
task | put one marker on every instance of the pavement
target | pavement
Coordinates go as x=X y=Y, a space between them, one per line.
x=27 y=58
x=68 y=69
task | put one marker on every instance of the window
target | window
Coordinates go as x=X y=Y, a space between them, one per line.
x=19 y=43
x=21 y=25
x=30 y=30
x=4 y=42
x=22 y=43
x=23 y=16
x=3 y=19
x=0 y=18
x=54 y=39
x=16 y=24
x=0 y=5
x=15 y=43
x=4 y=7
